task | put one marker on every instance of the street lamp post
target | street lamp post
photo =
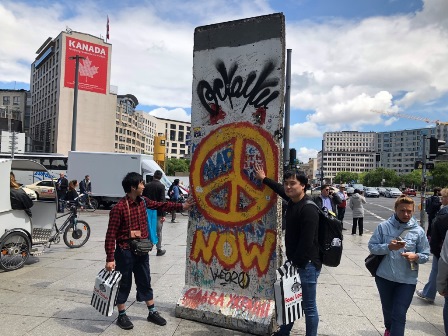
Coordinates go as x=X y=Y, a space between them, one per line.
x=75 y=100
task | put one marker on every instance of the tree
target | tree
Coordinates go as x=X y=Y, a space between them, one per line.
x=174 y=165
x=375 y=177
x=345 y=177
x=440 y=175
x=413 y=179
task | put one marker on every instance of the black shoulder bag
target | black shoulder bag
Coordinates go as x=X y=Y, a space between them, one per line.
x=137 y=245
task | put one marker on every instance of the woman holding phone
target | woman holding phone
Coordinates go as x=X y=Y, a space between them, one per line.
x=404 y=245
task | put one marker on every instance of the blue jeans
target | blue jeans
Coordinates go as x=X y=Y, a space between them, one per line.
x=395 y=300
x=430 y=290
x=308 y=277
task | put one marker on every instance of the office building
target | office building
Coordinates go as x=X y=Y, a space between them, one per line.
x=350 y=151
x=398 y=150
x=52 y=94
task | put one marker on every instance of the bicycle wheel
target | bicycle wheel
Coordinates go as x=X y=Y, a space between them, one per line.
x=14 y=251
x=75 y=238
x=92 y=205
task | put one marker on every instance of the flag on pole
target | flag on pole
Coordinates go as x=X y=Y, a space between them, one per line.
x=107 y=29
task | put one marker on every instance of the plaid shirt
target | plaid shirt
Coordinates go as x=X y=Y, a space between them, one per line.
x=122 y=221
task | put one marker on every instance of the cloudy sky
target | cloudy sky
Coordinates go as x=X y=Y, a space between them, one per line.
x=348 y=56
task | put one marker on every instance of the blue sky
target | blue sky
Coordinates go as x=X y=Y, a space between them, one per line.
x=349 y=56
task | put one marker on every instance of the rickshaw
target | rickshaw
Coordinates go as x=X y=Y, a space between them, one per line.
x=20 y=234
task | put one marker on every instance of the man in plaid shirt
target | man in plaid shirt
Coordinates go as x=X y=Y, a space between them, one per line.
x=129 y=214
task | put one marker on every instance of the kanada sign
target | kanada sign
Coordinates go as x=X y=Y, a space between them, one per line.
x=92 y=69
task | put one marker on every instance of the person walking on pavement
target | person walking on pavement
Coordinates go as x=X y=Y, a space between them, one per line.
x=302 y=248
x=61 y=190
x=155 y=191
x=356 y=202
x=438 y=232
x=174 y=193
x=432 y=207
x=327 y=199
x=128 y=219
x=403 y=243
x=342 y=194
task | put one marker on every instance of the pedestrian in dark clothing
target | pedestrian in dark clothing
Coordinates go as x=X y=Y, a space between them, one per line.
x=61 y=190
x=301 y=241
x=342 y=194
x=438 y=232
x=85 y=186
x=128 y=219
x=174 y=194
x=155 y=191
x=432 y=207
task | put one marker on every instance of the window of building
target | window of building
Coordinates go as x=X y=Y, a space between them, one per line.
x=173 y=151
x=180 y=137
x=173 y=126
x=6 y=100
x=173 y=135
x=16 y=100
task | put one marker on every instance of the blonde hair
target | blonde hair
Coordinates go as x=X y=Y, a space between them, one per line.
x=12 y=181
x=404 y=199
x=444 y=192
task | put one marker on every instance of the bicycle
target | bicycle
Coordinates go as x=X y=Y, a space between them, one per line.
x=75 y=232
x=87 y=202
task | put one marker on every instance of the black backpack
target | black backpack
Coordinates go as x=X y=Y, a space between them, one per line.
x=329 y=237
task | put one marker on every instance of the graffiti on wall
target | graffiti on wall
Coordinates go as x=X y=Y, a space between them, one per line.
x=196 y=297
x=223 y=177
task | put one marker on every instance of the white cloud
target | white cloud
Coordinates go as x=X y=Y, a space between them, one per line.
x=304 y=154
x=174 y=114
x=303 y=130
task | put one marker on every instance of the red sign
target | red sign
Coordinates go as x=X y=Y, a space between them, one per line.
x=92 y=69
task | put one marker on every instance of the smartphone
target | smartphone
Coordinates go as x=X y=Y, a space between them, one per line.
x=400 y=241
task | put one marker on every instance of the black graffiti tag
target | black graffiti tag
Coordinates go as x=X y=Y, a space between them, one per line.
x=229 y=86
x=242 y=279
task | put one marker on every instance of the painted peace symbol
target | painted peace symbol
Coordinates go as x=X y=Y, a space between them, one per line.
x=227 y=193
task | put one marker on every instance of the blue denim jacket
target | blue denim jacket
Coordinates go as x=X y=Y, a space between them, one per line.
x=394 y=267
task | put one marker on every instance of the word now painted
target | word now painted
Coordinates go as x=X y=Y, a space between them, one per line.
x=195 y=297
x=230 y=248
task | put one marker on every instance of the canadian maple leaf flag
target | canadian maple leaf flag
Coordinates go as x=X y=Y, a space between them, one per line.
x=107 y=28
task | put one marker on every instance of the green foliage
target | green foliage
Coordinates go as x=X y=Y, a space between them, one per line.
x=345 y=177
x=440 y=175
x=374 y=178
x=174 y=165
x=413 y=179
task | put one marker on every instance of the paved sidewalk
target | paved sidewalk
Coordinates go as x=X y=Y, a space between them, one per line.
x=51 y=294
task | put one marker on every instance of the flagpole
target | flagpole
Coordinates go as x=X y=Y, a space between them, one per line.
x=107 y=29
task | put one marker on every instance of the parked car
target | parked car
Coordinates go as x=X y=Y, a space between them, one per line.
x=350 y=191
x=316 y=190
x=410 y=192
x=31 y=193
x=44 y=189
x=371 y=192
x=393 y=192
x=381 y=190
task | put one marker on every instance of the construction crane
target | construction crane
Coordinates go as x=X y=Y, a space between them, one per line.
x=408 y=116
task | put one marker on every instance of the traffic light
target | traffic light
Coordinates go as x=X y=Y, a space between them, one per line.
x=418 y=165
x=434 y=150
x=292 y=156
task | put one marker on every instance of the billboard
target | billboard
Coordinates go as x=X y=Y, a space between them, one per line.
x=236 y=120
x=92 y=69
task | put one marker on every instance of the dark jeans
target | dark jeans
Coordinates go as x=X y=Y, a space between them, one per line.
x=127 y=263
x=445 y=315
x=395 y=300
x=358 y=222
x=308 y=277
x=341 y=213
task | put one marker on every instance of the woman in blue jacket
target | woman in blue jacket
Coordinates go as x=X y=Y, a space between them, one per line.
x=404 y=245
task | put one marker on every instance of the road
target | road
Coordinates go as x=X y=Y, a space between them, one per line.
x=375 y=211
